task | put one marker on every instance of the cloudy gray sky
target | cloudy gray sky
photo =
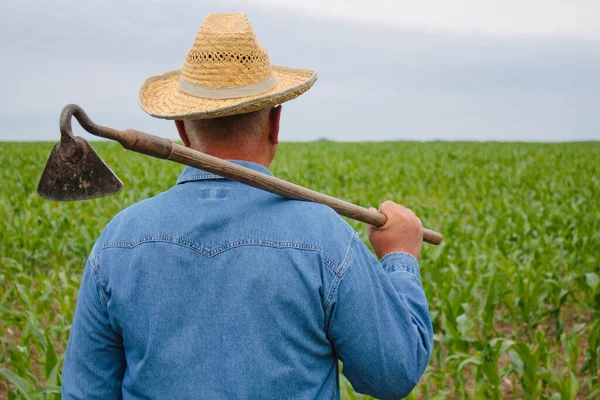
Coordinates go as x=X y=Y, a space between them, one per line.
x=388 y=69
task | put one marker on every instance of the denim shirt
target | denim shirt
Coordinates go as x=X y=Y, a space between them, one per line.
x=217 y=290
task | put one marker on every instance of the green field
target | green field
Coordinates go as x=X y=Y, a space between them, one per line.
x=514 y=290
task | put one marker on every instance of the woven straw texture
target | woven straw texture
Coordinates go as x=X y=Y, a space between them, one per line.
x=225 y=54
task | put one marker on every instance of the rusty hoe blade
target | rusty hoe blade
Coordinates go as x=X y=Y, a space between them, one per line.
x=74 y=171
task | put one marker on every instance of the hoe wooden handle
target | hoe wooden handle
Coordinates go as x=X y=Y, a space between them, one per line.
x=283 y=188
x=215 y=165
x=159 y=147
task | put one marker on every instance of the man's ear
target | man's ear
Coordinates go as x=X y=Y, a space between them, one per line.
x=274 y=116
x=182 y=133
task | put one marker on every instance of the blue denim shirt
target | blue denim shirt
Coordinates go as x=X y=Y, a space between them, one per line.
x=216 y=290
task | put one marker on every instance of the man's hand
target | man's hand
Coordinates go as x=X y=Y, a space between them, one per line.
x=403 y=231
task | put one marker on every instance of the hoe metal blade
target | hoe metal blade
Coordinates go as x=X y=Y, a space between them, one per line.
x=75 y=172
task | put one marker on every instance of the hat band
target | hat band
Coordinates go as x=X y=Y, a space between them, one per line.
x=227 y=92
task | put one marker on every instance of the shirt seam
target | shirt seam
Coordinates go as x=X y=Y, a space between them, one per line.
x=94 y=262
x=402 y=266
x=343 y=267
x=190 y=174
x=200 y=177
x=398 y=254
x=213 y=251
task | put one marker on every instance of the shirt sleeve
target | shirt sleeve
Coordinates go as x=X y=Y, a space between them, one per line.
x=94 y=360
x=379 y=324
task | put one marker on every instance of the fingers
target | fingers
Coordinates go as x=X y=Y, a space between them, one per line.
x=403 y=231
x=387 y=206
x=394 y=210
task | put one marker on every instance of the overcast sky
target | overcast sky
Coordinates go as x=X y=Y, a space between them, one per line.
x=388 y=70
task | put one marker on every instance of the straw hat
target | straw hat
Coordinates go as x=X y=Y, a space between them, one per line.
x=226 y=72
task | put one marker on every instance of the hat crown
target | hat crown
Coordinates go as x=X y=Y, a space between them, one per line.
x=226 y=54
x=226 y=23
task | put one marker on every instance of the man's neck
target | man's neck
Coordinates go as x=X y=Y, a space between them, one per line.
x=235 y=154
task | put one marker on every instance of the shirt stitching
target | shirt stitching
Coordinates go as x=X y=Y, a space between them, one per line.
x=349 y=255
x=343 y=267
x=192 y=174
x=94 y=262
x=393 y=262
x=398 y=254
x=210 y=252
x=403 y=268
x=199 y=177
x=331 y=294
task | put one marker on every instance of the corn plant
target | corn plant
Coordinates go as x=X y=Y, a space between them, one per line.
x=514 y=291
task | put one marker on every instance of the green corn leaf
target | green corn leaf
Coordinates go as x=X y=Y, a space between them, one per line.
x=592 y=280
x=471 y=360
x=506 y=344
x=20 y=383
x=594 y=392
x=48 y=390
x=51 y=358
x=464 y=324
x=573 y=386
x=23 y=294
x=53 y=377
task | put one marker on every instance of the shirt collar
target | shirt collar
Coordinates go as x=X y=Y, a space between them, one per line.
x=195 y=174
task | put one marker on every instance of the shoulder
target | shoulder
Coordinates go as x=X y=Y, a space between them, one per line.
x=322 y=220
x=314 y=223
x=135 y=219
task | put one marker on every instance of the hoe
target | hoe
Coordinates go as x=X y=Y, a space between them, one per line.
x=75 y=172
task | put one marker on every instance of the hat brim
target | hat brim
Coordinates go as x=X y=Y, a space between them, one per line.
x=161 y=97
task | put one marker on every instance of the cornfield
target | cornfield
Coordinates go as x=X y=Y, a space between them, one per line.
x=514 y=290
